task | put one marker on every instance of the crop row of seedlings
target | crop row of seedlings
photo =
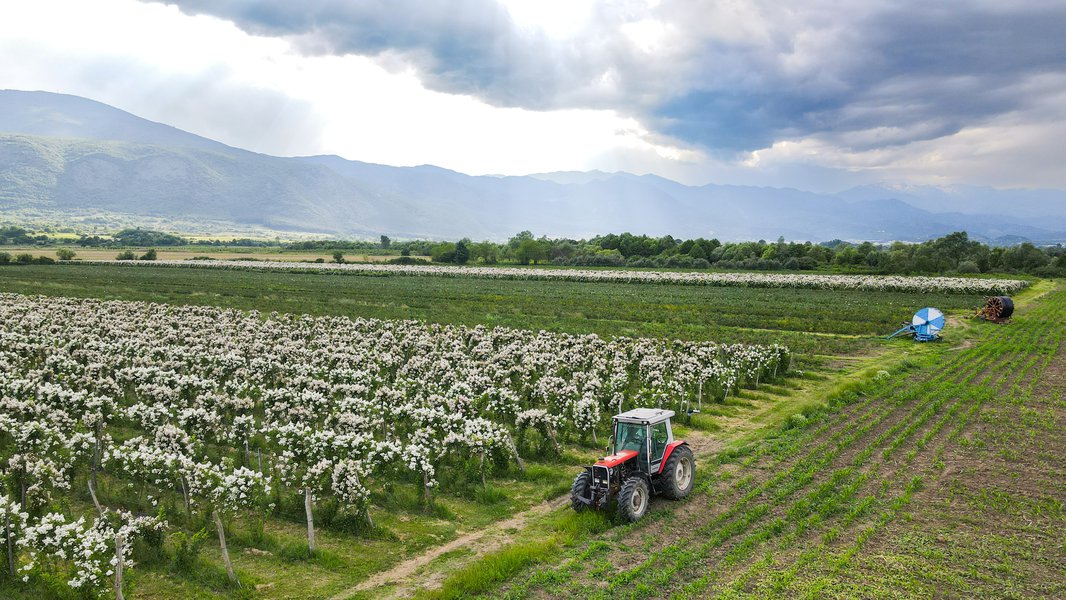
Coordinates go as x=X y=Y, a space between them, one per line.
x=837 y=491
x=778 y=581
x=839 y=494
x=224 y=412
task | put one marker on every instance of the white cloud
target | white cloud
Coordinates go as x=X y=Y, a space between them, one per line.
x=199 y=74
x=204 y=75
x=557 y=18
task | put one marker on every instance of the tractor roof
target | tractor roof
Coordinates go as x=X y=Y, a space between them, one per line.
x=644 y=415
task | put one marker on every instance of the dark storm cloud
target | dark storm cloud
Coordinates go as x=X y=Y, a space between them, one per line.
x=727 y=78
x=950 y=66
x=924 y=71
x=461 y=46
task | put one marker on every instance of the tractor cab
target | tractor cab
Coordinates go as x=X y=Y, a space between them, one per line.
x=645 y=431
x=643 y=458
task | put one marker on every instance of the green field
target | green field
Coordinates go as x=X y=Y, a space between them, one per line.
x=881 y=469
x=846 y=322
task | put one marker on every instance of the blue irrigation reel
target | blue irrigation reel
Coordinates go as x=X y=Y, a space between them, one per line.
x=925 y=325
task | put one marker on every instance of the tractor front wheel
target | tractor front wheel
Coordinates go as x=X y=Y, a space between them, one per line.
x=679 y=473
x=633 y=499
x=582 y=488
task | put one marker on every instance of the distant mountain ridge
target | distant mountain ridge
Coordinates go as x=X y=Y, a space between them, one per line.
x=64 y=154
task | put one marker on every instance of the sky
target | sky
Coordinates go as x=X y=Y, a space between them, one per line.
x=819 y=95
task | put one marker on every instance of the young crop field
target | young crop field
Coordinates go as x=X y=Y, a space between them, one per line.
x=273 y=433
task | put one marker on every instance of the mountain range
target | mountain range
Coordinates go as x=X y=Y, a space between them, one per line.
x=70 y=158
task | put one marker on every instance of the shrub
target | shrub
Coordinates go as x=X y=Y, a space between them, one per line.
x=149 y=255
x=146 y=237
x=65 y=253
x=408 y=260
x=462 y=253
x=680 y=262
x=443 y=253
x=4 y=258
x=187 y=550
x=969 y=266
x=802 y=263
x=1048 y=271
x=44 y=260
x=24 y=259
x=609 y=258
x=126 y=255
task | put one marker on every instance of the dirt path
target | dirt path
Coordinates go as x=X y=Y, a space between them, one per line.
x=479 y=542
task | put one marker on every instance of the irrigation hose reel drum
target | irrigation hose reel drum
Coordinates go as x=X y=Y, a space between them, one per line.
x=925 y=325
x=997 y=309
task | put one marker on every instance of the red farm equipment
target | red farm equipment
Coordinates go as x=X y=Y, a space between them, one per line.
x=645 y=459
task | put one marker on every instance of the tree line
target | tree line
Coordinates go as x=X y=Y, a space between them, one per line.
x=955 y=252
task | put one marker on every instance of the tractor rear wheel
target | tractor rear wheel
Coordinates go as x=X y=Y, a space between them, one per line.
x=633 y=499
x=679 y=473
x=582 y=488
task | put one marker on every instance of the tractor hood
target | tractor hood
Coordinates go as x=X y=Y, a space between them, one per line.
x=616 y=459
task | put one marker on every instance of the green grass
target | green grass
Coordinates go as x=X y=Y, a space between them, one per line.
x=788 y=316
x=494 y=568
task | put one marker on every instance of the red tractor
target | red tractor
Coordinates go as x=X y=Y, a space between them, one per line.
x=644 y=459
